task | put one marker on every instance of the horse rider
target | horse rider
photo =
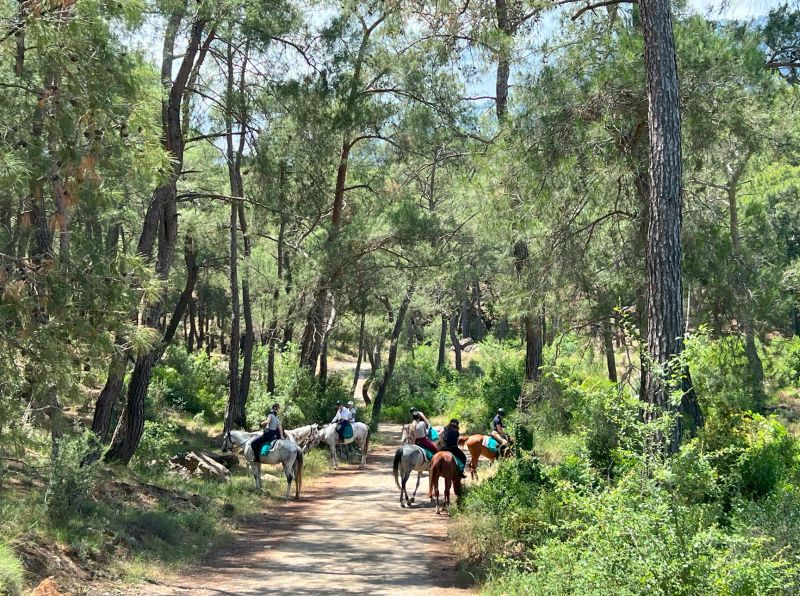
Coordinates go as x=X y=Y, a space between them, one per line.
x=342 y=418
x=411 y=411
x=450 y=439
x=499 y=429
x=351 y=406
x=420 y=426
x=273 y=430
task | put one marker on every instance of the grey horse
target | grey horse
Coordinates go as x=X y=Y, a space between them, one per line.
x=284 y=451
x=408 y=458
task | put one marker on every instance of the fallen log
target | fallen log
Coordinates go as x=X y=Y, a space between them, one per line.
x=199 y=465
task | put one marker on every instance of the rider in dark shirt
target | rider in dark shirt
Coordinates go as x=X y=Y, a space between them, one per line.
x=450 y=436
x=273 y=431
x=499 y=429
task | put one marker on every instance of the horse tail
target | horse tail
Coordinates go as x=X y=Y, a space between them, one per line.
x=433 y=476
x=366 y=445
x=462 y=439
x=298 y=472
x=398 y=455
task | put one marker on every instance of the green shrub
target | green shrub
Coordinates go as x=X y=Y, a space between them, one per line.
x=190 y=382
x=11 y=574
x=159 y=441
x=69 y=481
x=782 y=365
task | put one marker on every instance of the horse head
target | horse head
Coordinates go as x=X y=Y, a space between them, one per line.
x=407 y=437
x=227 y=442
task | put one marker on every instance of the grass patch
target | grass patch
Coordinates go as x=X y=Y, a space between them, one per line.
x=11 y=574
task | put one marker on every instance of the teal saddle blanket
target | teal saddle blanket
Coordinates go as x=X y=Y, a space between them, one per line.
x=491 y=443
x=265 y=450
x=429 y=457
x=347 y=431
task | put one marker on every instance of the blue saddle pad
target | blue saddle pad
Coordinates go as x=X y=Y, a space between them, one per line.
x=459 y=465
x=348 y=431
x=492 y=444
x=265 y=449
x=428 y=454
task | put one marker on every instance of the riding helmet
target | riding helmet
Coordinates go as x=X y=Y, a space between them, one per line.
x=412 y=409
x=501 y=411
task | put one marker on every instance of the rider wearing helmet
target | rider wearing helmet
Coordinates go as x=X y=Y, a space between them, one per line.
x=450 y=436
x=351 y=406
x=499 y=429
x=273 y=430
x=411 y=411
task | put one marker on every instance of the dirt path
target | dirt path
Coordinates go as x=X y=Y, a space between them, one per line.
x=346 y=534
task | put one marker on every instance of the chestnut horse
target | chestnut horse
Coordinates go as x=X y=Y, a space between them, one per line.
x=475 y=445
x=443 y=465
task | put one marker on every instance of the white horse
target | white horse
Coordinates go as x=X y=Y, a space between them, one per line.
x=329 y=436
x=305 y=437
x=408 y=458
x=284 y=451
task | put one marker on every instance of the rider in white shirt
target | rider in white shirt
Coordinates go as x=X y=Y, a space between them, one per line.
x=342 y=418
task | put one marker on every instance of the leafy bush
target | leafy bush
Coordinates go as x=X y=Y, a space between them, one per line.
x=159 y=441
x=70 y=481
x=193 y=383
x=11 y=574
x=782 y=366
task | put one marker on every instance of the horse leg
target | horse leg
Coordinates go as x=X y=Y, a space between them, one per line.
x=403 y=480
x=255 y=470
x=287 y=470
x=447 y=483
x=334 y=463
x=413 y=498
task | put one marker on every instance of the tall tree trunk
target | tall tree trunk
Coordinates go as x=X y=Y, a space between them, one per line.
x=533 y=347
x=192 y=328
x=360 y=356
x=131 y=423
x=608 y=345
x=330 y=320
x=664 y=287
x=503 y=65
x=442 y=359
x=456 y=343
x=388 y=371
x=743 y=272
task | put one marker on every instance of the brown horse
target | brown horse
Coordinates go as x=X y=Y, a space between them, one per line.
x=443 y=465
x=475 y=445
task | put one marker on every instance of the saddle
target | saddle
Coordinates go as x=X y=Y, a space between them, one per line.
x=347 y=434
x=428 y=454
x=491 y=443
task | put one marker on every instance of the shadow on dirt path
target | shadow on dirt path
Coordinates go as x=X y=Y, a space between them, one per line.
x=347 y=534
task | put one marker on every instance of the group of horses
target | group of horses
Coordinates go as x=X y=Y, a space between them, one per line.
x=289 y=451
x=411 y=458
x=408 y=458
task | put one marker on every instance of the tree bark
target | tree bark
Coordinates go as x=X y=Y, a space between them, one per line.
x=456 y=343
x=360 y=356
x=608 y=345
x=664 y=284
x=533 y=347
x=390 y=363
x=503 y=65
x=442 y=359
x=742 y=274
x=131 y=423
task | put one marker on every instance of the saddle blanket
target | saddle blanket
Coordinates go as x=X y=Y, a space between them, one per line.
x=348 y=431
x=459 y=465
x=490 y=443
x=428 y=454
x=265 y=449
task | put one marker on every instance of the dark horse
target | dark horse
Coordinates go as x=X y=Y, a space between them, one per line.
x=443 y=465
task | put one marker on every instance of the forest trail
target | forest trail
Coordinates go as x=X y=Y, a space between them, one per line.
x=347 y=534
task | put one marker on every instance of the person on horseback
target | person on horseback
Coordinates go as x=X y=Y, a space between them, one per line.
x=450 y=439
x=351 y=406
x=273 y=430
x=342 y=419
x=499 y=430
x=420 y=426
